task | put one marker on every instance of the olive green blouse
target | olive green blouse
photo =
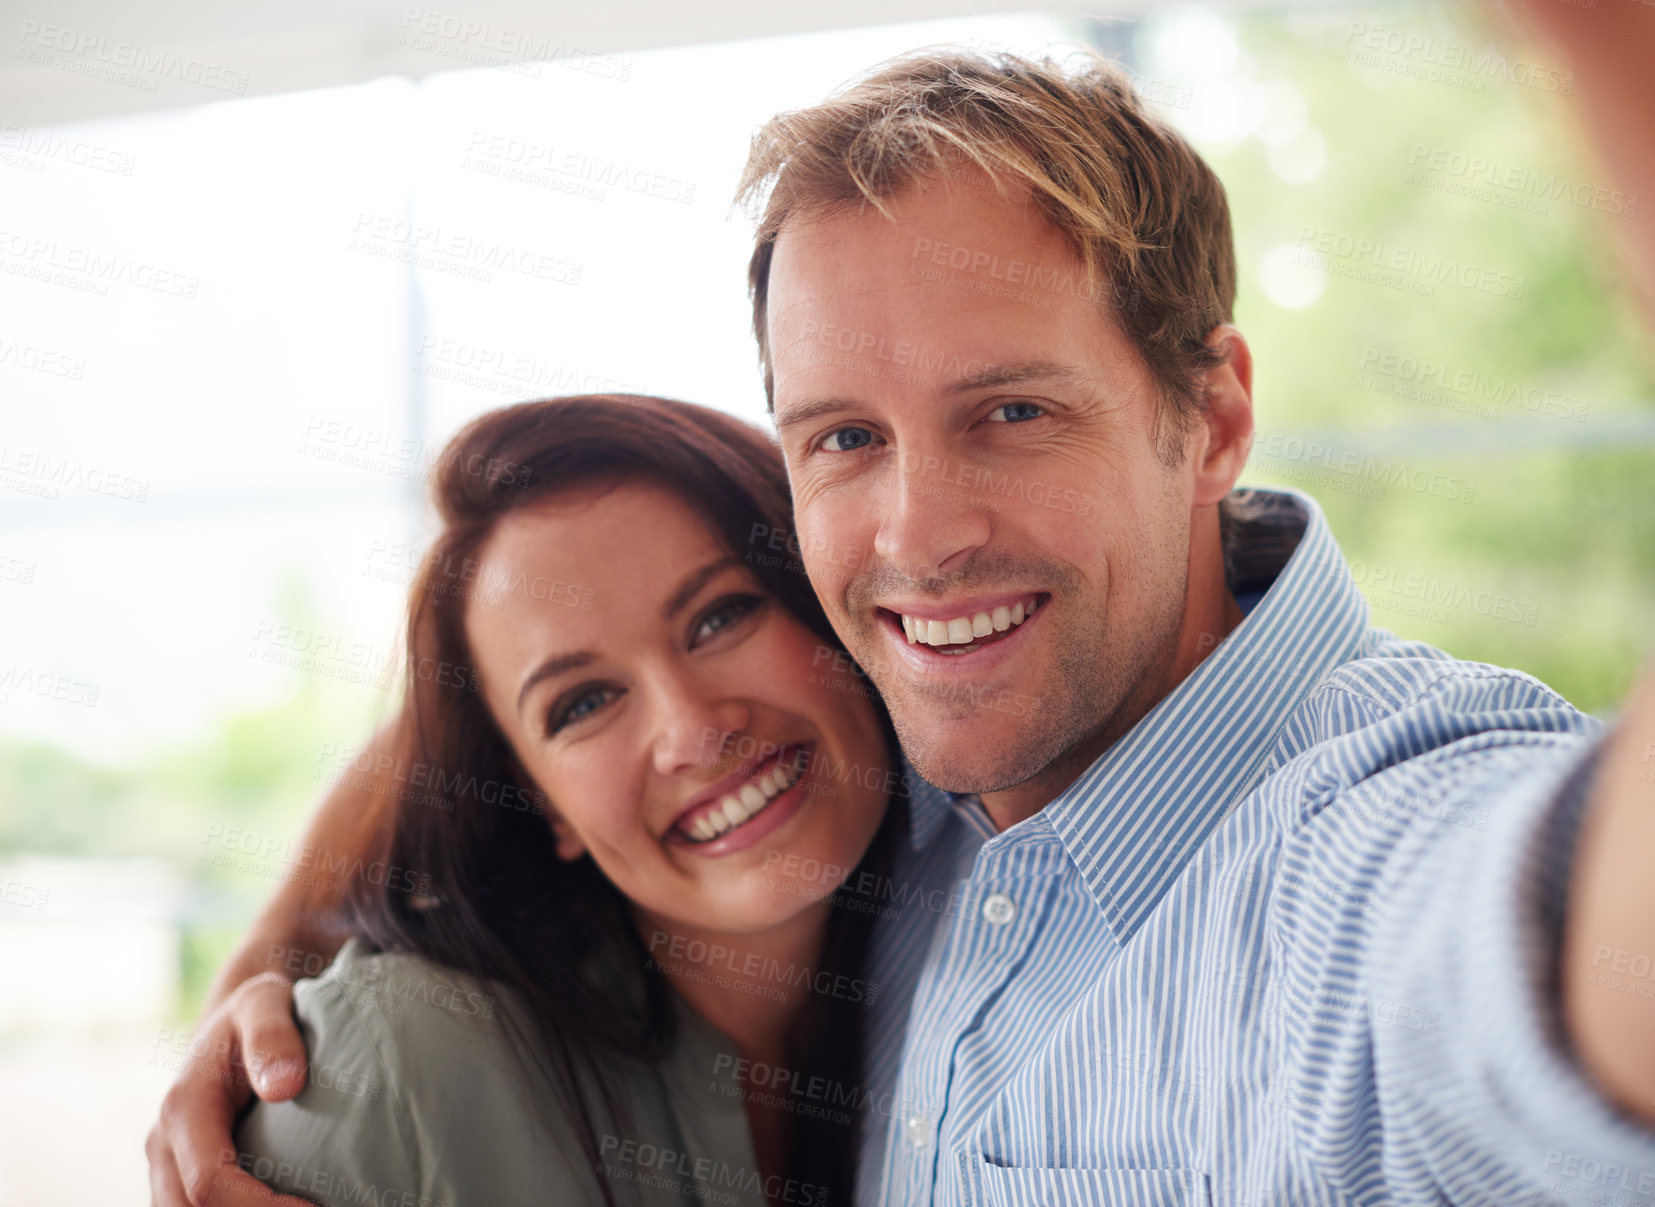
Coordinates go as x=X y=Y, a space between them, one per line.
x=416 y=1098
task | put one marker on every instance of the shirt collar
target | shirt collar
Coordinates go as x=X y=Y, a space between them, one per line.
x=1134 y=818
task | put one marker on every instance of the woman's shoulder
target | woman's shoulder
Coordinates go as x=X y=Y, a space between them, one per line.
x=418 y=1083
x=452 y=1051
x=413 y=1086
x=400 y=997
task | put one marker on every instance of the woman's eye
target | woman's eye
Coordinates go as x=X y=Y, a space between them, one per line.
x=578 y=707
x=847 y=440
x=1015 y=412
x=724 y=614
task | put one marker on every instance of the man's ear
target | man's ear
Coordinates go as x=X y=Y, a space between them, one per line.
x=1228 y=417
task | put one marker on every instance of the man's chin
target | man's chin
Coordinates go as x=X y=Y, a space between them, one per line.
x=983 y=741
x=963 y=768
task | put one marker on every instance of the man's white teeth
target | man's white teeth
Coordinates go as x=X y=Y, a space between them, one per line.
x=733 y=808
x=962 y=630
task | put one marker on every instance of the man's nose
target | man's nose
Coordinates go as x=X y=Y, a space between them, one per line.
x=930 y=524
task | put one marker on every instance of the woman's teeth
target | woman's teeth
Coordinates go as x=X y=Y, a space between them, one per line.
x=746 y=802
x=963 y=630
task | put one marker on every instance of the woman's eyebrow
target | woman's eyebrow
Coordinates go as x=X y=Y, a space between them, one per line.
x=693 y=582
x=554 y=665
x=679 y=600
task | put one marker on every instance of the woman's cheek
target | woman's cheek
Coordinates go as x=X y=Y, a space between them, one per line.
x=606 y=792
x=795 y=656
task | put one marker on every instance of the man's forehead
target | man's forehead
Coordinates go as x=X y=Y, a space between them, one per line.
x=954 y=283
x=916 y=221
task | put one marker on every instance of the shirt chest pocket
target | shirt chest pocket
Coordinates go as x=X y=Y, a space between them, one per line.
x=1002 y=1186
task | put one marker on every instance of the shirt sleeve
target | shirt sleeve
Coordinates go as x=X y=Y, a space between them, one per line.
x=1419 y=918
x=344 y=1140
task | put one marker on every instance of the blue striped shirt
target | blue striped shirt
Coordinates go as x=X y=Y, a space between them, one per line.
x=1291 y=940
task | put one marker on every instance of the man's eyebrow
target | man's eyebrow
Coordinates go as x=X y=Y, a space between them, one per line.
x=1016 y=375
x=987 y=378
x=813 y=408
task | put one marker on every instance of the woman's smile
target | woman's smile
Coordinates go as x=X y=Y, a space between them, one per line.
x=737 y=812
x=732 y=801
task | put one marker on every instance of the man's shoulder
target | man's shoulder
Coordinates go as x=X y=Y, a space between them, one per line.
x=1396 y=678
x=1405 y=701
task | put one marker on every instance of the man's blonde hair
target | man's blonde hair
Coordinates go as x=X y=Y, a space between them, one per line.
x=1142 y=210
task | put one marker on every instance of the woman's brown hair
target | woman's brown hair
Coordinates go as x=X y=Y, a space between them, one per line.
x=495 y=900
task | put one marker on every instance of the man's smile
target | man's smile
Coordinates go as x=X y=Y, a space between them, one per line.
x=954 y=630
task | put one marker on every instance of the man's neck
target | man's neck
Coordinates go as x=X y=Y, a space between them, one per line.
x=1210 y=615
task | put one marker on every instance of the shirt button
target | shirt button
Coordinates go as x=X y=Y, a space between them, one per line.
x=998 y=909
x=918 y=1129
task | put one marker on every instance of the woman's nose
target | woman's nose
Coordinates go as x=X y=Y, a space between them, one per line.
x=693 y=729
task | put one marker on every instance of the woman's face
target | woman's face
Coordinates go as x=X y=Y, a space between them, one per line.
x=690 y=734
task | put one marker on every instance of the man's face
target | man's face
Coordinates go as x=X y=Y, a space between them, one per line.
x=971 y=439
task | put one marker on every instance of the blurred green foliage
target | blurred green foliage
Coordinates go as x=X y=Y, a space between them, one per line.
x=259 y=771
x=1548 y=568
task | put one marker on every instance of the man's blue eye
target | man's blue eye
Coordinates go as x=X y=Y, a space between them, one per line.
x=847 y=440
x=1015 y=412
